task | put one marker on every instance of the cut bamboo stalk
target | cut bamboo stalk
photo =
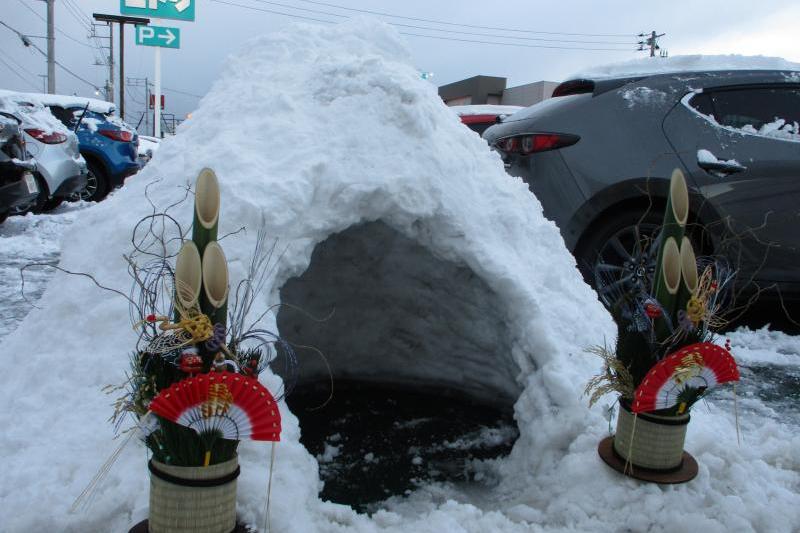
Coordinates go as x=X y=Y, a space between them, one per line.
x=188 y=276
x=668 y=283
x=206 y=209
x=689 y=277
x=675 y=216
x=214 y=300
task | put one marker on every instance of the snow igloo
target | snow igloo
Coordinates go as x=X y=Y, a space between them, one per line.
x=439 y=269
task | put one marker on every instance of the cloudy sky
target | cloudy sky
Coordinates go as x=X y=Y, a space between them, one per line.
x=539 y=40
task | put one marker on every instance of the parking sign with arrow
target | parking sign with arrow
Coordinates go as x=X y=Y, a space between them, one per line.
x=162 y=36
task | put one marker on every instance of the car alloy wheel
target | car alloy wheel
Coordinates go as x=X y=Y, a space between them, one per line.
x=626 y=262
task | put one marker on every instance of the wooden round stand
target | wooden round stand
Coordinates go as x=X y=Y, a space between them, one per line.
x=685 y=472
x=142 y=527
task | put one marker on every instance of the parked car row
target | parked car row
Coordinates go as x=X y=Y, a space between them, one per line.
x=599 y=155
x=78 y=148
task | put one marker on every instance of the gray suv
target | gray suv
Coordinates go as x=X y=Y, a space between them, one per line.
x=599 y=155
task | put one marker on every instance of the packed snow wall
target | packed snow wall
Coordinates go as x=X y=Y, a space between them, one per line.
x=399 y=315
x=328 y=139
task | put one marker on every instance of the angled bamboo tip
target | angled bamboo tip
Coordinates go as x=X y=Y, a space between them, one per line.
x=207 y=199
x=688 y=265
x=188 y=275
x=679 y=194
x=215 y=274
x=671 y=266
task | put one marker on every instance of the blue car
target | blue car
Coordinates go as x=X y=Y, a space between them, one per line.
x=108 y=144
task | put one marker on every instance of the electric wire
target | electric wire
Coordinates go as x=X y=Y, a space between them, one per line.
x=19 y=75
x=59 y=30
x=26 y=42
x=180 y=92
x=384 y=14
x=78 y=14
x=412 y=26
x=253 y=8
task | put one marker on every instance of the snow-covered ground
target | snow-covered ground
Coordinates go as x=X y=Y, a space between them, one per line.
x=335 y=129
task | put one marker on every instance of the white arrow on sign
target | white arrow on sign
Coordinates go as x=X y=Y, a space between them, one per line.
x=169 y=37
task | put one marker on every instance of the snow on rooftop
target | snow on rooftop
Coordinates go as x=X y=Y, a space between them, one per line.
x=66 y=101
x=393 y=153
x=665 y=65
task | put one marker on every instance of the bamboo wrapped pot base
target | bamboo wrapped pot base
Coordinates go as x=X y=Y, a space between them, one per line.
x=686 y=471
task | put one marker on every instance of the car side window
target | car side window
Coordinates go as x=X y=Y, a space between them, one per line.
x=756 y=107
x=702 y=103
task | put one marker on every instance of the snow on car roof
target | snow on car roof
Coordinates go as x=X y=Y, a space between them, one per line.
x=487 y=109
x=666 y=65
x=62 y=100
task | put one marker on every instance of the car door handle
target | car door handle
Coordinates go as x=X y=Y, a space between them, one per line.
x=721 y=167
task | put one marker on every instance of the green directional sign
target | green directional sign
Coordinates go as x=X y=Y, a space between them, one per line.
x=159 y=9
x=158 y=36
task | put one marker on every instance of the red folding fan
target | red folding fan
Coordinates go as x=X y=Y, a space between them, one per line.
x=699 y=366
x=235 y=406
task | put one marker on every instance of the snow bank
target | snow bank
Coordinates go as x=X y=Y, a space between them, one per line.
x=687 y=63
x=334 y=129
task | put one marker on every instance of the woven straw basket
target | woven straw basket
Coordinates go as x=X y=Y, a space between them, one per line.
x=654 y=442
x=193 y=498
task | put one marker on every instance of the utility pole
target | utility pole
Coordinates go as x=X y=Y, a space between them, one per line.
x=651 y=42
x=121 y=20
x=51 y=47
x=106 y=60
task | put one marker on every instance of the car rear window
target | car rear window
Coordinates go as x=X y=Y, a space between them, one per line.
x=755 y=107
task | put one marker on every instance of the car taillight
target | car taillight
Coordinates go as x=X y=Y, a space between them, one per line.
x=53 y=137
x=117 y=135
x=509 y=144
x=536 y=142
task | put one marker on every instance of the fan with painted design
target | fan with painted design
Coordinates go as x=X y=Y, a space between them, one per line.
x=221 y=404
x=682 y=377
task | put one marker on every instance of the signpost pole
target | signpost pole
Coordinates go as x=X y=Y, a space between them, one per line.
x=157 y=102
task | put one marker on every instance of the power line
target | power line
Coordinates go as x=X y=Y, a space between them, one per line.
x=463 y=25
x=20 y=76
x=27 y=42
x=78 y=14
x=180 y=92
x=22 y=67
x=513 y=44
x=59 y=30
x=411 y=26
x=253 y=8
x=273 y=12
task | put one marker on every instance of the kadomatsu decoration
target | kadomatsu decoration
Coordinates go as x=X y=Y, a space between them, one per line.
x=665 y=359
x=193 y=385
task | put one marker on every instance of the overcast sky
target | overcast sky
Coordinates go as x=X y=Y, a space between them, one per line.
x=692 y=27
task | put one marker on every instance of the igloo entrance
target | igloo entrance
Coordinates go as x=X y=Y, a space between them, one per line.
x=419 y=352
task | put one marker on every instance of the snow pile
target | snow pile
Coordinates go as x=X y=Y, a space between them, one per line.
x=336 y=131
x=687 y=63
